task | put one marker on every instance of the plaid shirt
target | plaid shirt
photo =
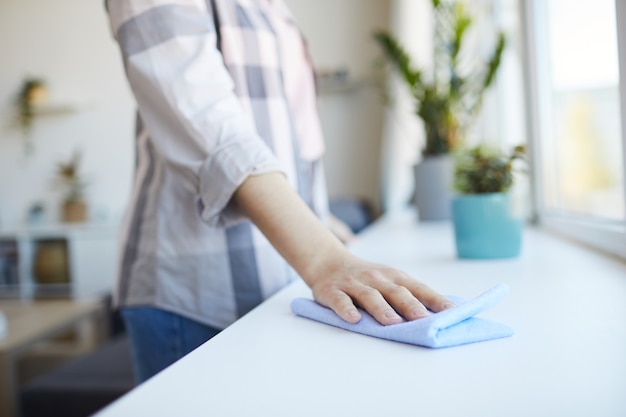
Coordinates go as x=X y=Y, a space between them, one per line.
x=209 y=117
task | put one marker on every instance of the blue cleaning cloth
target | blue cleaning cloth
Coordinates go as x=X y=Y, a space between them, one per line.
x=452 y=327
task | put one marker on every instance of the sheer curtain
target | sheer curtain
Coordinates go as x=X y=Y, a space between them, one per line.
x=411 y=23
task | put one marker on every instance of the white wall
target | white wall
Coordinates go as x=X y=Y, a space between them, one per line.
x=67 y=42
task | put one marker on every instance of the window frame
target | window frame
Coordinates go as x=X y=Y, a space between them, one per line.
x=606 y=235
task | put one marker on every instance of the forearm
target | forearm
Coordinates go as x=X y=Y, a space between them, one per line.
x=338 y=279
x=288 y=223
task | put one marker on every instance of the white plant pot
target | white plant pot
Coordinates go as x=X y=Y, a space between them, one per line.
x=433 y=187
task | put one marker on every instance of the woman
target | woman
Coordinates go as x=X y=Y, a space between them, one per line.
x=229 y=184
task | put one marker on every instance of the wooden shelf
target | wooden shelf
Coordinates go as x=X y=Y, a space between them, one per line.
x=80 y=260
x=54 y=110
x=331 y=87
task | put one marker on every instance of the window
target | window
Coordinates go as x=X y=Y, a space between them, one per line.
x=576 y=112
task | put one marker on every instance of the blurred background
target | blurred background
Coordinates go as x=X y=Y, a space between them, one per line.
x=66 y=166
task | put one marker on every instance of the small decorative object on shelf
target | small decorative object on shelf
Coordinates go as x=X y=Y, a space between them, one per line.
x=51 y=264
x=31 y=103
x=9 y=268
x=333 y=80
x=74 y=207
x=35 y=213
x=447 y=100
x=485 y=224
x=32 y=94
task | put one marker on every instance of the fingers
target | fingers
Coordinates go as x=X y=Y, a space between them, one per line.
x=388 y=295
x=374 y=303
x=429 y=297
x=404 y=302
x=340 y=303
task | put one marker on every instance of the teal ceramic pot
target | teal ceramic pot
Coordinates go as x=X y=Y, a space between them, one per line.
x=485 y=227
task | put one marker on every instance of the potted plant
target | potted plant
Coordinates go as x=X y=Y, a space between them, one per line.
x=32 y=95
x=446 y=100
x=485 y=226
x=74 y=207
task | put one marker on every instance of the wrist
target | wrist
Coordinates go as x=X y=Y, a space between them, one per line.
x=325 y=264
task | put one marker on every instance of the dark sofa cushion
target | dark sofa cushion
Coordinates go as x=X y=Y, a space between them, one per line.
x=354 y=212
x=82 y=386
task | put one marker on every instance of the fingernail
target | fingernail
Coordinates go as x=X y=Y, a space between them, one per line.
x=353 y=313
x=448 y=305
x=392 y=315
x=419 y=313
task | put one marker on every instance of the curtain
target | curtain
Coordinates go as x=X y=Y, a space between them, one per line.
x=403 y=137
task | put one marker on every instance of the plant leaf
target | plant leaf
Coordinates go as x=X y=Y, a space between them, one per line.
x=401 y=59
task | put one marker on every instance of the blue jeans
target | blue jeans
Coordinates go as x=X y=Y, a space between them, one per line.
x=159 y=338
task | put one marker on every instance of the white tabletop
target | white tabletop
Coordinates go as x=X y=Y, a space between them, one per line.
x=567 y=306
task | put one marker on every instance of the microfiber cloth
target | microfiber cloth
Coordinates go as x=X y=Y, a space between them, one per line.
x=452 y=327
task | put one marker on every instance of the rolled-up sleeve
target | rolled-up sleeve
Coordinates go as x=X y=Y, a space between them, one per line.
x=186 y=99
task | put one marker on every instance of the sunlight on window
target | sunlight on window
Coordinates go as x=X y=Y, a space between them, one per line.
x=582 y=153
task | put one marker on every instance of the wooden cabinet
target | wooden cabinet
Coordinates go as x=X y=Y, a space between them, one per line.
x=58 y=260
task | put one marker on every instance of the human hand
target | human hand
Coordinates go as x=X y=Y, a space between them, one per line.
x=384 y=292
x=339 y=280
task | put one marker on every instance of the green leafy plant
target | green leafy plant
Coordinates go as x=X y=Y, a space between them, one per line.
x=32 y=93
x=482 y=170
x=450 y=99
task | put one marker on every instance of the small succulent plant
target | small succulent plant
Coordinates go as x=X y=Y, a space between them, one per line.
x=69 y=178
x=482 y=170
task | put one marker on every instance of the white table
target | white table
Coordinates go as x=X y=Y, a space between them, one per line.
x=568 y=357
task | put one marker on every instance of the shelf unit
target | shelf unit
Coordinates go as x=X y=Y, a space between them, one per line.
x=79 y=260
x=344 y=86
